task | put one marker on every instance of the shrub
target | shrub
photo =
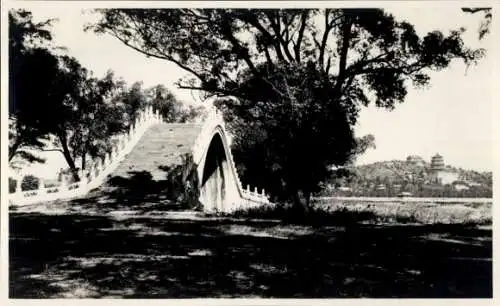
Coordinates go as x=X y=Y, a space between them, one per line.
x=30 y=182
x=349 y=213
x=315 y=216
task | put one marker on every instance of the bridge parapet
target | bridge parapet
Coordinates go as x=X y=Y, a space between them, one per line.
x=98 y=170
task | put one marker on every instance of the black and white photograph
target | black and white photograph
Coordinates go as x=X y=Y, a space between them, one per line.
x=248 y=149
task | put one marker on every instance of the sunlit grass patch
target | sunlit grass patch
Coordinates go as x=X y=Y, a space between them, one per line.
x=344 y=213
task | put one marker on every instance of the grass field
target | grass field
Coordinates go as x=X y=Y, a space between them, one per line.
x=418 y=212
x=89 y=250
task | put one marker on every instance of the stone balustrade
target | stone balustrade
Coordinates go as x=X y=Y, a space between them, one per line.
x=97 y=171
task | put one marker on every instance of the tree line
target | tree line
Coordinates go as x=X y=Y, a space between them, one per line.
x=56 y=104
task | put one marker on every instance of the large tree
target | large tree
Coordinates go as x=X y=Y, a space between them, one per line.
x=51 y=94
x=97 y=116
x=283 y=64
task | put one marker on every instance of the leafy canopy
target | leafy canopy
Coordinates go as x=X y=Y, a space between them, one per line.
x=30 y=66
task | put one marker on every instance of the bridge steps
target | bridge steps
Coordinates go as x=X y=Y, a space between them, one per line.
x=162 y=145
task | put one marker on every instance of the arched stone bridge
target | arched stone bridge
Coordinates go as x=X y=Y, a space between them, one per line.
x=195 y=159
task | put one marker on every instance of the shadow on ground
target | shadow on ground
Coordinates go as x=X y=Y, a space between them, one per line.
x=84 y=256
x=139 y=192
x=90 y=251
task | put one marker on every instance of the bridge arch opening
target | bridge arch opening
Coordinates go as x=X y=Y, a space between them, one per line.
x=214 y=182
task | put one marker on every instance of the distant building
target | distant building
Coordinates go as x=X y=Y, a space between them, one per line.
x=474 y=184
x=437 y=162
x=415 y=160
x=439 y=174
x=461 y=186
x=343 y=188
x=405 y=194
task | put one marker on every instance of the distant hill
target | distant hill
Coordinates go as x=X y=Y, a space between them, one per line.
x=414 y=175
x=397 y=170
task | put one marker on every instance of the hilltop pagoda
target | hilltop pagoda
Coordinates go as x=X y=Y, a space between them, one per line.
x=437 y=162
x=439 y=174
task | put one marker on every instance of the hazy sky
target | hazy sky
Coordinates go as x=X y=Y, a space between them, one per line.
x=452 y=117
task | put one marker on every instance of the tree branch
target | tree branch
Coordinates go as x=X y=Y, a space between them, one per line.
x=303 y=19
x=164 y=57
x=346 y=37
x=322 y=46
x=251 y=19
x=276 y=28
x=13 y=149
x=53 y=150
x=475 y=10
x=212 y=90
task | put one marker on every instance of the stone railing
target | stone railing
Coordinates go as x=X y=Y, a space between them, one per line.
x=215 y=118
x=97 y=173
x=254 y=198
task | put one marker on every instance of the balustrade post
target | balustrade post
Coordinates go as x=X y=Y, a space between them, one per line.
x=109 y=158
x=41 y=187
x=122 y=141
x=150 y=112
x=115 y=152
x=17 y=187
x=64 y=185
x=97 y=169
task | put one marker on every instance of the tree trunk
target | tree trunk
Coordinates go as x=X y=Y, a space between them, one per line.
x=301 y=201
x=13 y=149
x=67 y=156
x=84 y=155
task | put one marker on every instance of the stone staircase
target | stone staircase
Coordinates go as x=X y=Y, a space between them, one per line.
x=162 y=145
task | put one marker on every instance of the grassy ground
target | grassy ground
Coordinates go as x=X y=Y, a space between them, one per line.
x=416 y=212
x=78 y=251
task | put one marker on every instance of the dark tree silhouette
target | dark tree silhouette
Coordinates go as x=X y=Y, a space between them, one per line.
x=53 y=94
x=30 y=66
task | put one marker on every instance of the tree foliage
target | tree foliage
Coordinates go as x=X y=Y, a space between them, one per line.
x=97 y=116
x=485 y=25
x=300 y=75
x=30 y=66
x=170 y=107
